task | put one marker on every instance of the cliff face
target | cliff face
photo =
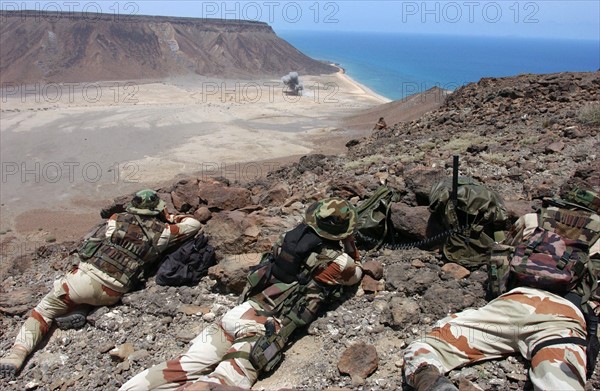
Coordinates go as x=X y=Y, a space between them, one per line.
x=53 y=47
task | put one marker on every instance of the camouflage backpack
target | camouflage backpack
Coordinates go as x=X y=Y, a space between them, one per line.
x=374 y=225
x=476 y=219
x=555 y=257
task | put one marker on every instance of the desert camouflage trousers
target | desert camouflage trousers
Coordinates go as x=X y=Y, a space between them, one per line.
x=218 y=355
x=514 y=322
x=76 y=287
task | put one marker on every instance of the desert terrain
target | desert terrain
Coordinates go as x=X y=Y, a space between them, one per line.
x=67 y=149
x=527 y=137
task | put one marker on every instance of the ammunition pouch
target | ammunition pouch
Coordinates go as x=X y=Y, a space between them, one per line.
x=89 y=247
x=267 y=352
x=119 y=263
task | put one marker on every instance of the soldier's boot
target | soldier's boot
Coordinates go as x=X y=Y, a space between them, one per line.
x=75 y=319
x=429 y=378
x=13 y=361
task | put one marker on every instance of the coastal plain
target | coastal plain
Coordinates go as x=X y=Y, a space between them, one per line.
x=69 y=148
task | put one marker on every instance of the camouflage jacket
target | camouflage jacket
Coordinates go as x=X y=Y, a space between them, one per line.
x=176 y=230
x=332 y=267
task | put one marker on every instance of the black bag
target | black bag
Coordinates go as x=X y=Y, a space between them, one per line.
x=188 y=263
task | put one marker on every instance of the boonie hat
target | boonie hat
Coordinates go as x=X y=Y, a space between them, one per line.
x=146 y=202
x=332 y=218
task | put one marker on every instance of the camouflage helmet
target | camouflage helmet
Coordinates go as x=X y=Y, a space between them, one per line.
x=332 y=218
x=146 y=202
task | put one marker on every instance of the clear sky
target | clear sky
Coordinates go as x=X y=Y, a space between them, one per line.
x=542 y=18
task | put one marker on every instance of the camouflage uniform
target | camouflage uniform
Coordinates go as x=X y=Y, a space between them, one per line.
x=220 y=353
x=517 y=321
x=91 y=283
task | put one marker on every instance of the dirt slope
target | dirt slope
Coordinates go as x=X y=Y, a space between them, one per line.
x=403 y=110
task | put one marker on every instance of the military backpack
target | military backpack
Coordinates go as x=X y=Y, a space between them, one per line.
x=474 y=220
x=374 y=220
x=555 y=256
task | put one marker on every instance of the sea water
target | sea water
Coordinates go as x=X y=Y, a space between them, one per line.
x=397 y=65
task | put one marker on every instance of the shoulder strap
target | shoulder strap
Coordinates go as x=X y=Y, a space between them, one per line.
x=151 y=239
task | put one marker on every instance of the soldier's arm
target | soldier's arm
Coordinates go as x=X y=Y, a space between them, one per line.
x=183 y=227
x=111 y=225
x=342 y=271
x=522 y=229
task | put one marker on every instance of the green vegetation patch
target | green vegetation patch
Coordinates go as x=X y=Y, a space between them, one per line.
x=590 y=114
x=464 y=141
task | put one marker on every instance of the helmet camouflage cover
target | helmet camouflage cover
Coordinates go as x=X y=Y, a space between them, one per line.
x=146 y=202
x=332 y=218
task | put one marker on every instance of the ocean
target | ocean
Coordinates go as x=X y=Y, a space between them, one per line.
x=398 y=65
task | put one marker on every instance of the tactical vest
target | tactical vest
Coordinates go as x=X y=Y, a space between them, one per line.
x=295 y=302
x=131 y=248
x=282 y=284
x=297 y=245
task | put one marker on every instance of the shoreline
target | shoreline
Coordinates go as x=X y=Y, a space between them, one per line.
x=202 y=133
x=357 y=84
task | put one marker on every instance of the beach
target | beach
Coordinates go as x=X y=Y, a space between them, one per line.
x=69 y=149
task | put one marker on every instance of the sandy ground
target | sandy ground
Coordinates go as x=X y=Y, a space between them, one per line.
x=68 y=149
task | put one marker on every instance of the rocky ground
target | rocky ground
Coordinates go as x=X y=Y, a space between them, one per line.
x=526 y=137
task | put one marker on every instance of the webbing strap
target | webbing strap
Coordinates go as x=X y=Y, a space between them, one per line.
x=148 y=236
x=558 y=341
x=251 y=338
x=232 y=355
x=499 y=236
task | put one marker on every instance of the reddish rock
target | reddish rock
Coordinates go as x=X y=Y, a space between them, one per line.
x=555 y=147
x=418 y=263
x=185 y=195
x=410 y=221
x=219 y=196
x=166 y=197
x=276 y=195
x=373 y=269
x=232 y=270
x=420 y=179
x=456 y=271
x=371 y=285
x=226 y=231
x=202 y=214
x=516 y=209
x=359 y=361
x=18 y=301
